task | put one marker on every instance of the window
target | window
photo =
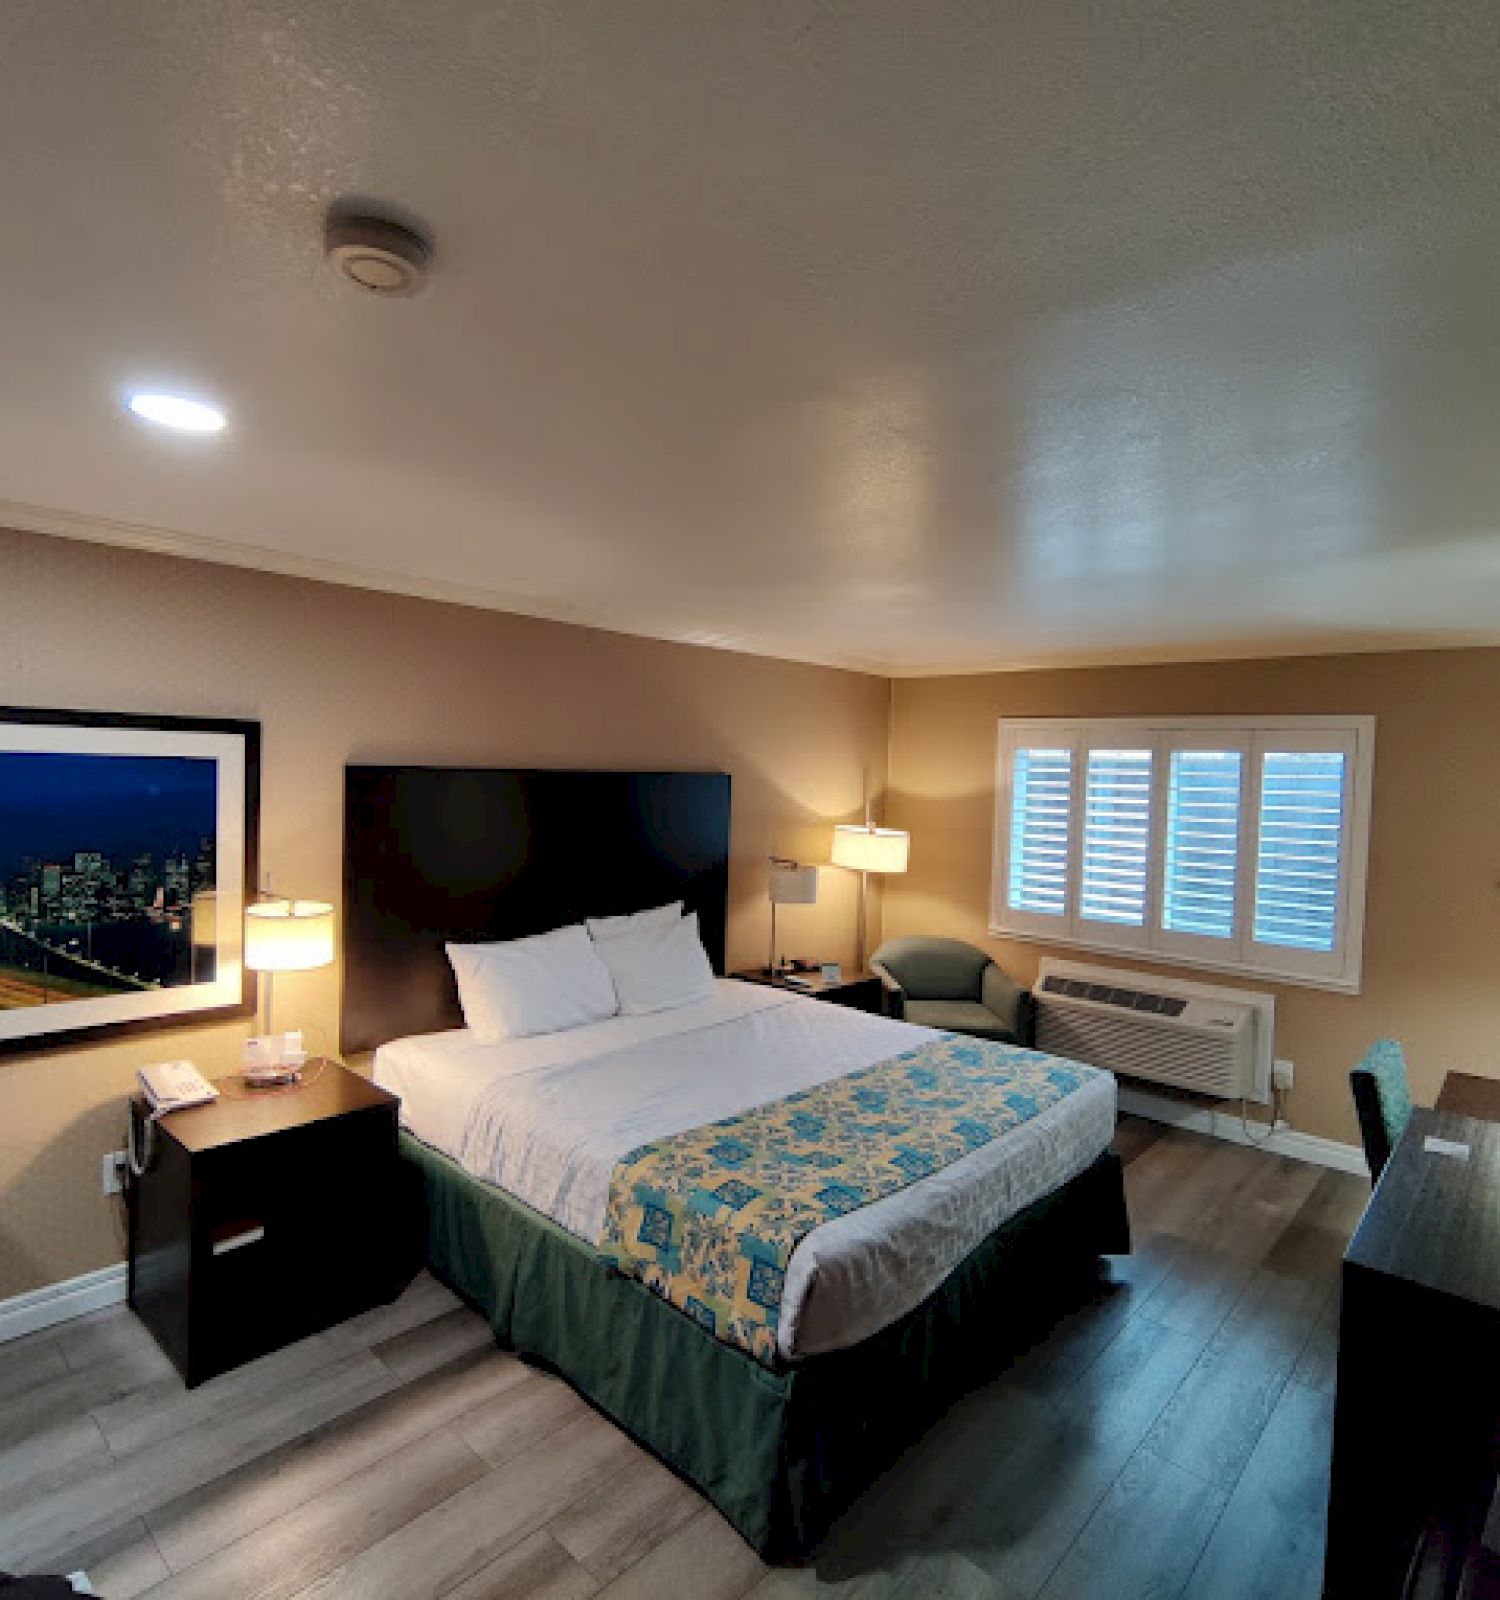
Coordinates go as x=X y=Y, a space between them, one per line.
x=1238 y=844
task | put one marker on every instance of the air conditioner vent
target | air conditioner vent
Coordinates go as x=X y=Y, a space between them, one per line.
x=1164 y=1005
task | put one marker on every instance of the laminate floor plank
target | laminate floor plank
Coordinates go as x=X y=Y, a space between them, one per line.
x=447 y=1545
x=113 y=1333
x=1019 y=1523
x=29 y=1359
x=1213 y=1423
x=1268 y=1545
x=1169 y=1189
x=1227 y=1239
x=34 y=1408
x=927 y=1488
x=216 y=1513
x=620 y=1521
x=1062 y=1353
x=1164 y=1167
x=1173 y=1177
x=1317 y=1365
x=47 y=1462
x=52 y=1531
x=705 y=1558
x=423 y=1300
x=932 y=1575
x=434 y=1343
x=161 y=1409
x=538 y=1568
x=132 y=1569
x=520 y=1416
x=1145 y=1538
x=283 y=1557
x=1216 y=1419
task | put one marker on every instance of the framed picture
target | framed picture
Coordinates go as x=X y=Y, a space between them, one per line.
x=832 y=972
x=127 y=856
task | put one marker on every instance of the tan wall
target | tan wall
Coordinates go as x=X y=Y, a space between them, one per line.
x=338 y=675
x=1432 y=939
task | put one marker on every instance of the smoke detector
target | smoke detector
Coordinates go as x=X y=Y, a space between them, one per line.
x=376 y=255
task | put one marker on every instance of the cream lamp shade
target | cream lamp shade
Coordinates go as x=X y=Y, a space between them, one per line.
x=288 y=935
x=793 y=884
x=864 y=848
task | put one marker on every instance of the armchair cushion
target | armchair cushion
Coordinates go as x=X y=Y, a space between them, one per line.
x=960 y=1016
x=934 y=969
x=1007 y=999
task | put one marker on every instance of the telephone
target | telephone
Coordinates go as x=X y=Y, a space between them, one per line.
x=171 y=1085
x=168 y=1086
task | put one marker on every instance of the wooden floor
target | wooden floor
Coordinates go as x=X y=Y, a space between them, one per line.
x=1169 y=1438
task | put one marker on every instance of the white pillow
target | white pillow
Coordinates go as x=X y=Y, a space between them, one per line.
x=613 y=927
x=657 y=968
x=518 y=987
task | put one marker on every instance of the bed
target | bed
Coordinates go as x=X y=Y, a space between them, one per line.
x=881 y=1313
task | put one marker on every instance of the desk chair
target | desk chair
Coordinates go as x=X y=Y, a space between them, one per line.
x=1382 y=1100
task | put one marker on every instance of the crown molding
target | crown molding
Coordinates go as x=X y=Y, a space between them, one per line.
x=88 y=529
x=91 y=529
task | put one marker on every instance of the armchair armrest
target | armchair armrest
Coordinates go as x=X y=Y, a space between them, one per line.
x=1009 y=1001
x=895 y=995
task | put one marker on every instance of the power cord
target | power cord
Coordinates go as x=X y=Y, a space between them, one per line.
x=138 y=1150
x=1270 y=1133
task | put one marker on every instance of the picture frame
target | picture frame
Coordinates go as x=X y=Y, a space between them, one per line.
x=832 y=972
x=129 y=850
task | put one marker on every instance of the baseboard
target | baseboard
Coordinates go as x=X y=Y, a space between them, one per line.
x=60 y=1302
x=1226 y=1125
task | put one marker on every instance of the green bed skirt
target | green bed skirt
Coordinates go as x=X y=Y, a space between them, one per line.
x=780 y=1452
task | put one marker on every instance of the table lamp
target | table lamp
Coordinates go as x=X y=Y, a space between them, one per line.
x=286 y=936
x=791 y=884
x=864 y=848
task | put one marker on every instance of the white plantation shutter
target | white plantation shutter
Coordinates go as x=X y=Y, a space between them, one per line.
x=1299 y=856
x=1117 y=837
x=1040 y=820
x=1200 y=882
x=1236 y=843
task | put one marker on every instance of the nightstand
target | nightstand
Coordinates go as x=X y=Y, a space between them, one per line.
x=268 y=1215
x=862 y=990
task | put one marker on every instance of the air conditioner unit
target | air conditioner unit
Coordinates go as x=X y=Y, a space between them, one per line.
x=1193 y=1036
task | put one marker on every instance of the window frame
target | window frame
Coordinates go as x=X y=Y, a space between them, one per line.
x=1253 y=737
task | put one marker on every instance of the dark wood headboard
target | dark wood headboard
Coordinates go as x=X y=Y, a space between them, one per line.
x=433 y=854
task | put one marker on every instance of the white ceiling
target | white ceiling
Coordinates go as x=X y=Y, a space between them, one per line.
x=912 y=335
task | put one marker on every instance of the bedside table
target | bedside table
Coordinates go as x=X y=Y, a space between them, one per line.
x=862 y=990
x=268 y=1215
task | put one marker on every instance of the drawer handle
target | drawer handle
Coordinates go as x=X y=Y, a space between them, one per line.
x=239 y=1239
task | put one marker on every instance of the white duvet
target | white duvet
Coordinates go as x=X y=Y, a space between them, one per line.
x=548 y=1119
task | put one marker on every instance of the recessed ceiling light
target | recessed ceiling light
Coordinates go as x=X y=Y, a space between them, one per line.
x=176 y=411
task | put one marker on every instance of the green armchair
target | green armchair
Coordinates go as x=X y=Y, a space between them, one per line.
x=945 y=983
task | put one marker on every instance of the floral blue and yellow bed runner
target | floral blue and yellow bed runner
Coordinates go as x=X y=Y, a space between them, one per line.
x=708 y=1219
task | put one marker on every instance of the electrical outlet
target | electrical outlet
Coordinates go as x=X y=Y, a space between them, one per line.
x=112 y=1171
x=1283 y=1074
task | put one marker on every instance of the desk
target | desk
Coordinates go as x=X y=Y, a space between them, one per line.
x=1417 y=1414
x=1467 y=1096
